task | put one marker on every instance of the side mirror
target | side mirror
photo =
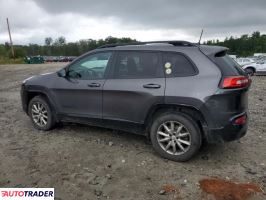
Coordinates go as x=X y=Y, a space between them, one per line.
x=62 y=73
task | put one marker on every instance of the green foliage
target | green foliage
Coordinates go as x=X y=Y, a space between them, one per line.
x=2 y=50
x=245 y=45
x=5 y=60
x=59 y=47
x=19 y=52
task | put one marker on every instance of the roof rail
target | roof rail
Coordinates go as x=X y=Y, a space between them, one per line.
x=173 y=42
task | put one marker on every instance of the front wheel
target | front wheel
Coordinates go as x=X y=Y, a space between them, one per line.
x=41 y=114
x=175 y=136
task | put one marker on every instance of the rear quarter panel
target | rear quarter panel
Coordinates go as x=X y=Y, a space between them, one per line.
x=195 y=90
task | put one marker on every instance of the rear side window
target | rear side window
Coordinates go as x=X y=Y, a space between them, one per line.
x=176 y=64
x=136 y=64
x=228 y=65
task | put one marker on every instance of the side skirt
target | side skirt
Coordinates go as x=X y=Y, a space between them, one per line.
x=126 y=126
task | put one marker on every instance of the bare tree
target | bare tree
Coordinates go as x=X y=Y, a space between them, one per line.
x=60 y=41
x=48 y=41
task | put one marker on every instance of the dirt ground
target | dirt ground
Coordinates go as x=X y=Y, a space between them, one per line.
x=83 y=162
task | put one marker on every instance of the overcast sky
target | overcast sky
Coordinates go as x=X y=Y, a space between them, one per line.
x=33 y=20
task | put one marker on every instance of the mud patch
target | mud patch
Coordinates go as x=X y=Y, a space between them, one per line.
x=172 y=190
x=228 y=190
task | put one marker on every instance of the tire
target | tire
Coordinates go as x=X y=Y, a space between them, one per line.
x=188 y=129
x=41 y=114
x=250 y=71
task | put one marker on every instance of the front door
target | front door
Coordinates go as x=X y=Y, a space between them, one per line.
x=80 y=92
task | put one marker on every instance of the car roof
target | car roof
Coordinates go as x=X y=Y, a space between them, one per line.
x=175 y=46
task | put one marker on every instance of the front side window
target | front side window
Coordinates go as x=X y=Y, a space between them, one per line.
x=136 y=65
x=91 y=67
x=176 y=64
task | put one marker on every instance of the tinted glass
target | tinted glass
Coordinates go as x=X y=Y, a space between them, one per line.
x=176 y=64
x=136 y=65
x=224 y=61
x=91 y=67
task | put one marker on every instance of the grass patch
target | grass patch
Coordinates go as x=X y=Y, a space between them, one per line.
x=4 y=60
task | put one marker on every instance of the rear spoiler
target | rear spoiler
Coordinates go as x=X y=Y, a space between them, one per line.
x=212 y=51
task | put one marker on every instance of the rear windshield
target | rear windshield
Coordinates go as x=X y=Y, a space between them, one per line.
x=228 y=65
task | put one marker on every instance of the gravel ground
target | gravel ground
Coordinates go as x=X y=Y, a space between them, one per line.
x=83 y=162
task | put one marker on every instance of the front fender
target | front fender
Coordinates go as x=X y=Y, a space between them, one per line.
x=33 y=90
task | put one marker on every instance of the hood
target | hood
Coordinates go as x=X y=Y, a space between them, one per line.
x=42 y=78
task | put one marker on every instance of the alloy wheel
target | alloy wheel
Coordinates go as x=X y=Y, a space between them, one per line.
x=174 y=138
x=39 y=114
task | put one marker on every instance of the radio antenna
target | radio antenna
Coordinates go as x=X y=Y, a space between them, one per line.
x=200 y=36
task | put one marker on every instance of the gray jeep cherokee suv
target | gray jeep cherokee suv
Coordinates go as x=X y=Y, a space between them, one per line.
x=174 y=92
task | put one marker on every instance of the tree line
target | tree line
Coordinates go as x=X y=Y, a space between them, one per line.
x=59 y=47
x=245 y=45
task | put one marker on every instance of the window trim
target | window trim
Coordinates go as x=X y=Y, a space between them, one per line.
x=107 y=69
x=189 y=60
x=160 y=71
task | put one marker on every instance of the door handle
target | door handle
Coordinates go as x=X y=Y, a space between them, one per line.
x=94 y=85
x=152 y=86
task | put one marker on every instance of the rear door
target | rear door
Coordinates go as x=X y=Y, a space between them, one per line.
x=136 y=84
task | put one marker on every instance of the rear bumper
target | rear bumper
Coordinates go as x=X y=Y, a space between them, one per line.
x=226 y=134
x=220 y=112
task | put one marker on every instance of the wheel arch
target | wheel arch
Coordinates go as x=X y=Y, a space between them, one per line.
x=31 y=93
x=251 y=67
x=189 y=110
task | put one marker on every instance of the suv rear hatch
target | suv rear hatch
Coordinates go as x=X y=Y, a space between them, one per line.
x=231 y=98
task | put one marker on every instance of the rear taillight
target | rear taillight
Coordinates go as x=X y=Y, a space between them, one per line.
x=240 y=120
x=235 y=82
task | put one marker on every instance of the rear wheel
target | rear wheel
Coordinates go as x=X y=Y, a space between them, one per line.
x=175 y=136
x=40 y=113
x=250 y=71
